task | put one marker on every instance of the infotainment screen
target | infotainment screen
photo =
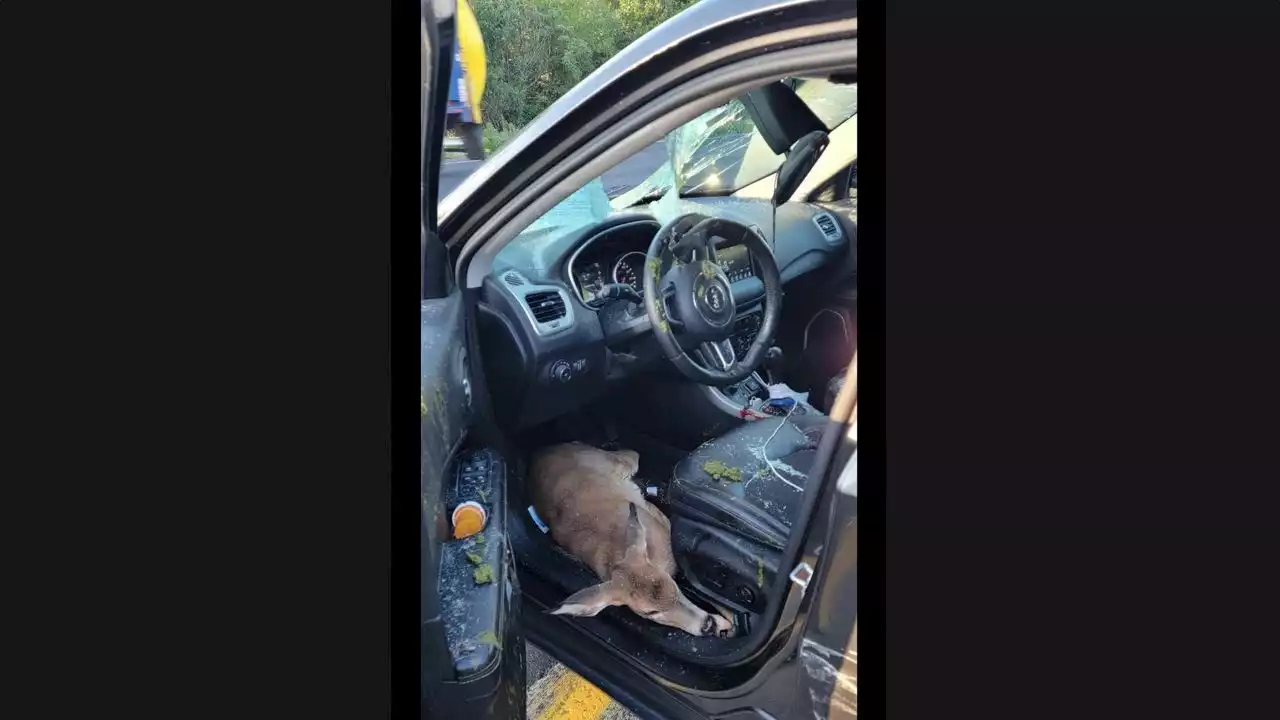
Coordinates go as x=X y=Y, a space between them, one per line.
x=736 y=262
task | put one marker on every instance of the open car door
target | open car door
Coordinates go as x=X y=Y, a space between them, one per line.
x=471 y=641
x=792 y=591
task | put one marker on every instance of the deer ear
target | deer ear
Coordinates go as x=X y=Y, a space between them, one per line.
x=637 y=541
x=589 y=601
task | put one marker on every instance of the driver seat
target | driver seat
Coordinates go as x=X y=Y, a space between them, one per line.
x=731 y=513
x=728 y=483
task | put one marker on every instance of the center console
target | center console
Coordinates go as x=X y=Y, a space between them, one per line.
x=741 y=393
x=753 y=398
x=745 y=329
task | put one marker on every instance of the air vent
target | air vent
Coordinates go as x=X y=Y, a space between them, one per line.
x=546 y=307
x=827 y=225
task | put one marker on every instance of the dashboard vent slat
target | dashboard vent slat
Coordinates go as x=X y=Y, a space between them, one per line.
x=828 y=227
x=545 y=306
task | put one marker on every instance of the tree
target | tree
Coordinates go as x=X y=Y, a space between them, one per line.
x=537 y=50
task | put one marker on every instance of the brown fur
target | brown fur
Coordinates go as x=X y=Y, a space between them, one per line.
x=585 y=495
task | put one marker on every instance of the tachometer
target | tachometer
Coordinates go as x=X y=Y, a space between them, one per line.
x=627 y=270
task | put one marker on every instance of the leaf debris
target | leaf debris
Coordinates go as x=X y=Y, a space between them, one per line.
x=719 y=471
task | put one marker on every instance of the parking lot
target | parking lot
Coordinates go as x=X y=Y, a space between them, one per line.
x=556 y=693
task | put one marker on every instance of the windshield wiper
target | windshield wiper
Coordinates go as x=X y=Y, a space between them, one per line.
x=651 y=196
x=720 y=192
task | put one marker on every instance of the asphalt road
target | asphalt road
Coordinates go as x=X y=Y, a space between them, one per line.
x=537 y=663
x=555 y=693
x=626 y=174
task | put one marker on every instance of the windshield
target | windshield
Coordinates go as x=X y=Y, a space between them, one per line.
x=716 y=153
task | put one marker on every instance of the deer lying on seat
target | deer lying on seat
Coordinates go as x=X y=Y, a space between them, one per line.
x=594 y=510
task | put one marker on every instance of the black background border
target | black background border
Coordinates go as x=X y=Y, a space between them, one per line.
x=1077 y=315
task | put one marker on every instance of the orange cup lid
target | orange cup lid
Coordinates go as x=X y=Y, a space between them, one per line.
x=468 y=519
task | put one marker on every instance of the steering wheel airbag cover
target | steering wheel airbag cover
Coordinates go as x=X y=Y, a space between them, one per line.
x=672 y=248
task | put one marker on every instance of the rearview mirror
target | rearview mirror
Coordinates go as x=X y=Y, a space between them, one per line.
x=781 y=117
x=800 y=160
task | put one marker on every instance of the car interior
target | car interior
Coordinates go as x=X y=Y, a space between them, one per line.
x=726 y=420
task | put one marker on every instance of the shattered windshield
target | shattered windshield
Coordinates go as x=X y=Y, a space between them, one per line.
x=708 y=156
x=716 y=153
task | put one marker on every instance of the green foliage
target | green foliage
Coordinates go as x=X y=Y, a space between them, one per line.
x=538 y=49
x=637 y=17
x=720 y=471
x=495 y=137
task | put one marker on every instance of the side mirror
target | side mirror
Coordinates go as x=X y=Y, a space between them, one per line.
x=800 y=160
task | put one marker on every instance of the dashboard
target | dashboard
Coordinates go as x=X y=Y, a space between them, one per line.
x=618 y=256
x=590 y=277
x=626 y=270
x=547 y=351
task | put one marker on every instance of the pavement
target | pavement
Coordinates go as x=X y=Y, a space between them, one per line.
x=624 y=175
x=556 y=693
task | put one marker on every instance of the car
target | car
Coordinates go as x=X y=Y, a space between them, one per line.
x=704 y=316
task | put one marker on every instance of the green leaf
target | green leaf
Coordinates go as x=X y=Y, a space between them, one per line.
x=475 y=558
x=483 y=574
x=719 y=471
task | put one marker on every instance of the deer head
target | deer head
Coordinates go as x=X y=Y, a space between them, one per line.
x=647 y=589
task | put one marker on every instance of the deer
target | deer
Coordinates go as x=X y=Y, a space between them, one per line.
x=594 y=510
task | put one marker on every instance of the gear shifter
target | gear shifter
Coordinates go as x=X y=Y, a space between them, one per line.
x=774 y=362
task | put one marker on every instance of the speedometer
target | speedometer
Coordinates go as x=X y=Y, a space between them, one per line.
x=627 y=270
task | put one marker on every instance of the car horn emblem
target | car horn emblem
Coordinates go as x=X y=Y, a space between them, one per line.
x=715 y=297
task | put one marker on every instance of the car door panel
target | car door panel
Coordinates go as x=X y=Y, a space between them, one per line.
x=472 y=643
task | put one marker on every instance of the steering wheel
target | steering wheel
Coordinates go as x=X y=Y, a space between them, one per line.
x=689 y=299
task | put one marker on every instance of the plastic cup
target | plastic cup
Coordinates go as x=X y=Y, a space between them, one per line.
x=469 y=518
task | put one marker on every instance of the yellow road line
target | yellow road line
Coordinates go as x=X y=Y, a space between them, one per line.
x=572 y=698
